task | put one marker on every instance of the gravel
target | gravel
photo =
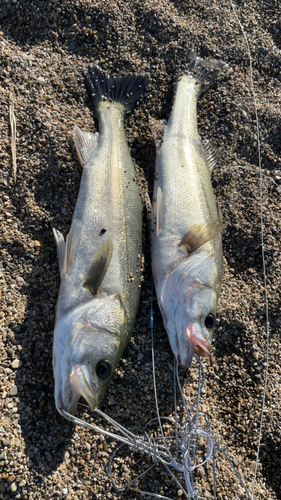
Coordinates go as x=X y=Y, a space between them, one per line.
x=43 y=46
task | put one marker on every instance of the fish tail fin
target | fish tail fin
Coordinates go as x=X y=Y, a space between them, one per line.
x=206 y=71
x=125 y=90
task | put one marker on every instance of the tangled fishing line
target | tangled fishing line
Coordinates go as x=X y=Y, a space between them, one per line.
x=190 y=446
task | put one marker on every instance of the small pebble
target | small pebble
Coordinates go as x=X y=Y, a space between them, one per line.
x=13 y=487
x=13 y=391
x=17 y=363
x=20 y=281
x=111 y=400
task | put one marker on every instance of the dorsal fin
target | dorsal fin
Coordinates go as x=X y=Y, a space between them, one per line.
x=98 y=267
x=197 y=236
x=84 y=143
x=213 y=154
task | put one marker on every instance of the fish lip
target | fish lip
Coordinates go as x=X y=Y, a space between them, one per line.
x=82 y=386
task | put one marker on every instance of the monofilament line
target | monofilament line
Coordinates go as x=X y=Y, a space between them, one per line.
x=262 y=242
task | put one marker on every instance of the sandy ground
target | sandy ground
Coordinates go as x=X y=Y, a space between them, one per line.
x=43 y=46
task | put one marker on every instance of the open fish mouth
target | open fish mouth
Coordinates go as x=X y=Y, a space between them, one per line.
x=193 y=342
x=82 y=386
x=202 y=351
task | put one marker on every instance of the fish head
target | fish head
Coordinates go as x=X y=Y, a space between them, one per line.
x=188 y=307
x=195 y=321
x=90 y=354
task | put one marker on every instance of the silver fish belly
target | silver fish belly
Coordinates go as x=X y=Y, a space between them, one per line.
x=100 y=261
x=186 y=222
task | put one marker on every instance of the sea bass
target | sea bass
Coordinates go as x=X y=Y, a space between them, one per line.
x=100 y=261
x=186 y=221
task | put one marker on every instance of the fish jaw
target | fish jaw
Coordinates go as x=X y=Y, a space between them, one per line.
x=82 y=386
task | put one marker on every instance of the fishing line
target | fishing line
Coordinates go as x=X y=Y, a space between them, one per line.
x=151 y=324
x=262 y=244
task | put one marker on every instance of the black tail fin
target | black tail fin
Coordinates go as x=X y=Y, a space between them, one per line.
x=126 y=90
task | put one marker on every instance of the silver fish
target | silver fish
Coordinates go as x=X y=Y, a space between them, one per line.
x=100 y=261
x=186 y=222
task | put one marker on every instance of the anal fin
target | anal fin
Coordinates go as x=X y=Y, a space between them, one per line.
x=84 y=143
x=197 y=236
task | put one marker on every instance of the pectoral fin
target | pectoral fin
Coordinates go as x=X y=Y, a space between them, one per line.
x=98 y=267
x=199 y=235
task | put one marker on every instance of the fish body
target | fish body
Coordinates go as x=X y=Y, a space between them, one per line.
x=186 y=223
x=100 y=262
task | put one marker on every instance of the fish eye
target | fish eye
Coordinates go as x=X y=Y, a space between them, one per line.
x=210 y=321
x=104 y=369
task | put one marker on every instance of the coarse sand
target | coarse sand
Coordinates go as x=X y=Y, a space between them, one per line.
x=43 y=46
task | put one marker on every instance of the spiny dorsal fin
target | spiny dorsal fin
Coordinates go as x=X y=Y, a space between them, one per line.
x=84 y=143
x=199 y=235
x=72 y=241
x=213 y=154
x=60 y=250
x=98 y=267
